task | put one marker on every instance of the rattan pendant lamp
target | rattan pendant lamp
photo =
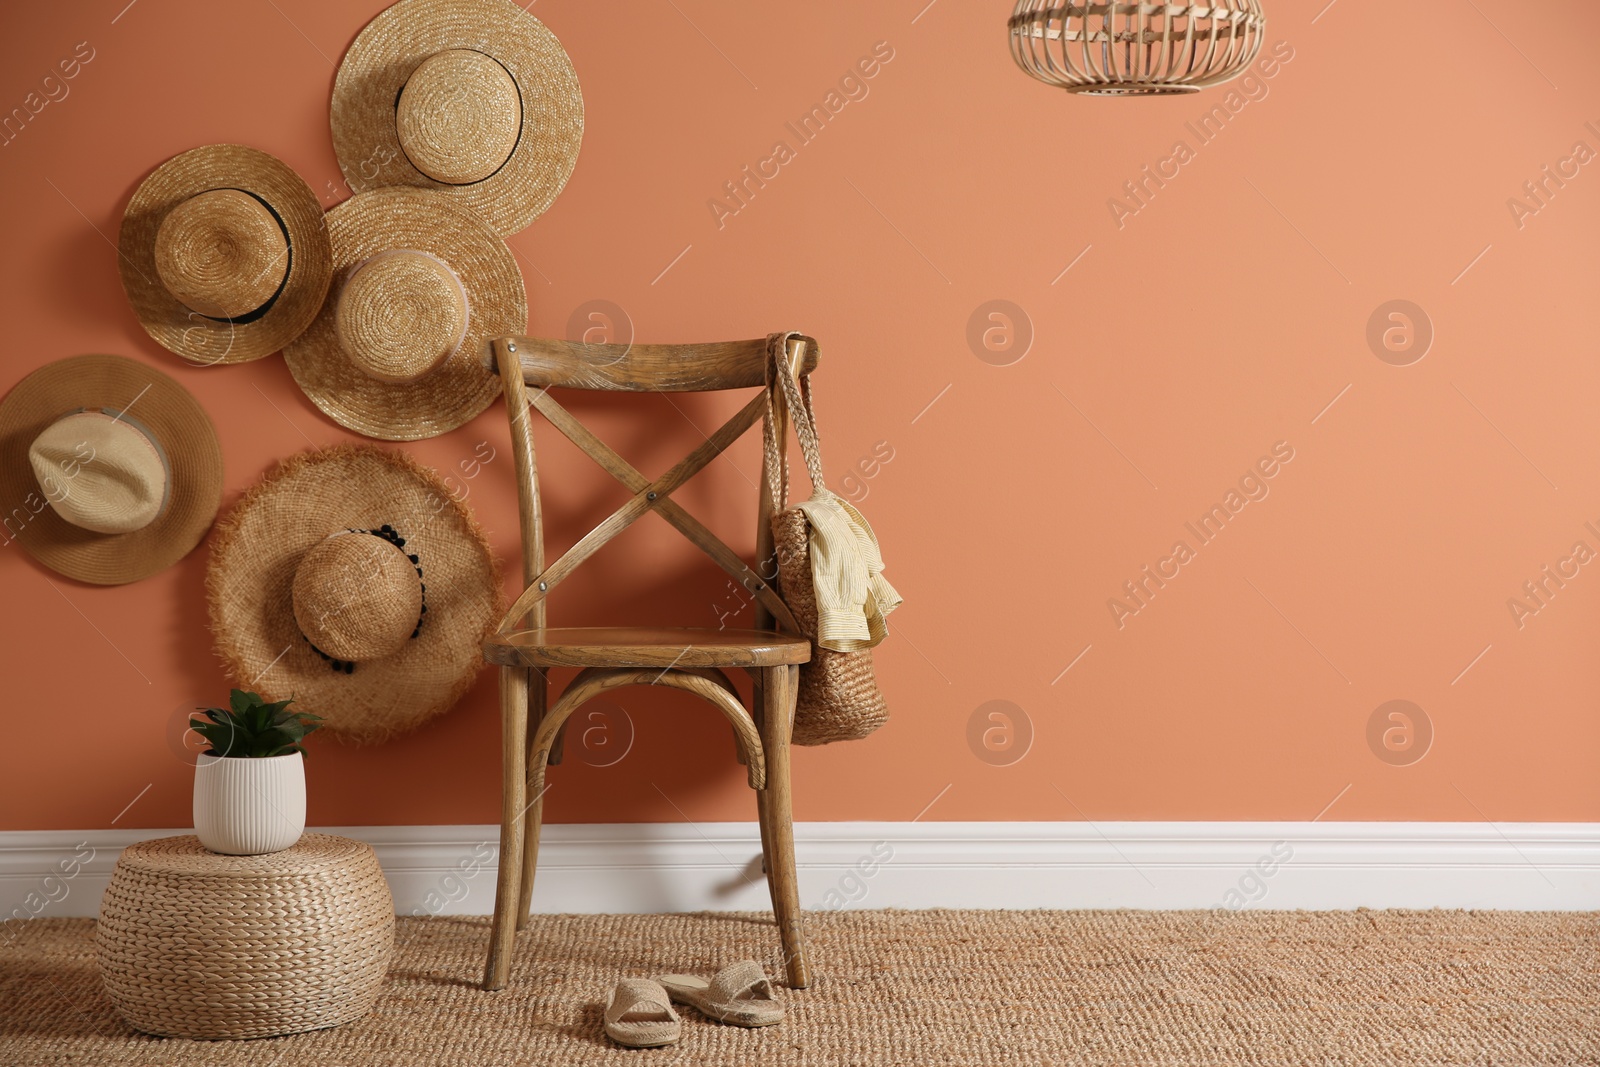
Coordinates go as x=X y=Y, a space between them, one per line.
x=1109 y=48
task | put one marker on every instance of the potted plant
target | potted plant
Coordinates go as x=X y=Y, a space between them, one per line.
x=250 y=783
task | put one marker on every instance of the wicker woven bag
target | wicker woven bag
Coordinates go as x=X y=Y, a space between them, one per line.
x=839 y=699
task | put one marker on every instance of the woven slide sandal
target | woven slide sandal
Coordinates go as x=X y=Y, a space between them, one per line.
x=640 y=1015
x=740 y=994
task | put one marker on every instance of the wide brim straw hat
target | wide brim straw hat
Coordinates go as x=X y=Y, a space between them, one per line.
x=475 y=98
x=352 y=581
x=223 y=254
x=421 y=284
x=138 y=402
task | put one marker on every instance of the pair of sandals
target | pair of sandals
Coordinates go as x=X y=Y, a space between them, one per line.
x=640 y=1013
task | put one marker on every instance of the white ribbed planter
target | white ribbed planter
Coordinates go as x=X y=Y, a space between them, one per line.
x=245 y=807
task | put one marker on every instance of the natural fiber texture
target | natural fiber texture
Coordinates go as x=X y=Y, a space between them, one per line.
x=197 y=253
x=400 y=315
x=740 y=994
x=457 y=389
x=155 y=405
x=1124 y=49
x=193 y=944
x=453 y=130
x=221 y=253
x=459 y=116
x=262 y=542
x=838 y=698
x=357 y=597
x=640 y=1015
x=967 y=988
x=119 y=478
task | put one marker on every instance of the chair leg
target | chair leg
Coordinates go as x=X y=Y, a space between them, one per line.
x=758 y=711
x=513 y=790
x=538 y=696
x=780 y=686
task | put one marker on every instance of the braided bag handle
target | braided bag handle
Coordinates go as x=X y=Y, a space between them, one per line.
x=797 y=398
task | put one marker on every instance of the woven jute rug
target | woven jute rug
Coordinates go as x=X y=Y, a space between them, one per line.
x=1115 y=988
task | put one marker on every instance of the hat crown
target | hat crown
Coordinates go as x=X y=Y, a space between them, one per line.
x=459 y=116
x=357 y=596
x=401 y=314
x=100 y=473
x=222 y=253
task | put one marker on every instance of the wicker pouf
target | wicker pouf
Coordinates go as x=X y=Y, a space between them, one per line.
x=193 y=944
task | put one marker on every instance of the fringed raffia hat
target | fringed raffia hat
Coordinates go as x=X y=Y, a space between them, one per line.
x=109 y=470
x=349 y=579
x=475 y=98
x=421 y=283
x=223 y=254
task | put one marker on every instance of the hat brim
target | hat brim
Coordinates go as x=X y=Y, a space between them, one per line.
x=196 y=337
x=392 y=46
x=261 y=541
x=157 y=406
x=463 y=385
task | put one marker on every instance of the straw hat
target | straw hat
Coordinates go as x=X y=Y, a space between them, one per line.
x=223 y=254
x=422 y=284
x=109 y=470
x=473 y=97
x=350 y=579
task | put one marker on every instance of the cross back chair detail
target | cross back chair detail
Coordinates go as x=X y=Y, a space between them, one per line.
x=524 y=647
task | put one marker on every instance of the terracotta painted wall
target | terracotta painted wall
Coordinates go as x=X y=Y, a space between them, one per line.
x=1178 y=339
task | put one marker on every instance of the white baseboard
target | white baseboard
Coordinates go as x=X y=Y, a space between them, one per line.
x=667 y=867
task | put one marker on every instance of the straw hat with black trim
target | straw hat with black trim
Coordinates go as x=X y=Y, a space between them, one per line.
x=472 y=97
x=349 y=579
x=223 y=254
x=109 y=470
x=421 y=284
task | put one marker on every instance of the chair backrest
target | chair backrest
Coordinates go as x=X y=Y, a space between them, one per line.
x=529 y=367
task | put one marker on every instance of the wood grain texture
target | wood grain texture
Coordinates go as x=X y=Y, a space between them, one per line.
x=642 y=501
x=529 y=515
x=644 y=646
x=513 y=785
x=767 y=565
x=766 y=556
x=610 y=657
x=701 y=537
x=775 y=807
x=688 y=368
x=538 y=700
x=594 y=681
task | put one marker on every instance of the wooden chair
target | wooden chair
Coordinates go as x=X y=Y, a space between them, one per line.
x=690 y=659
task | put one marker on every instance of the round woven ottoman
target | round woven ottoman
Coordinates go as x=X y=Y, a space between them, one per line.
x=194 y=944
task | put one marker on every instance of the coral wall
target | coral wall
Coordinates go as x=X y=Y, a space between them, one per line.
x=1155 y=461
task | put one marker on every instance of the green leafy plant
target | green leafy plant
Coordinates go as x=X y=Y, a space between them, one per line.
x=252 y=728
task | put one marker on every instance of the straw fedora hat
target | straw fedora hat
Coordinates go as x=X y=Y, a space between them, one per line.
x=475 y=98
x=223 y=254
x=422 y=283
x=109 y=470
x=349 y=579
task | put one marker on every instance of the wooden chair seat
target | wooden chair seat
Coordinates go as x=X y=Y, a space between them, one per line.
x=609 y=646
